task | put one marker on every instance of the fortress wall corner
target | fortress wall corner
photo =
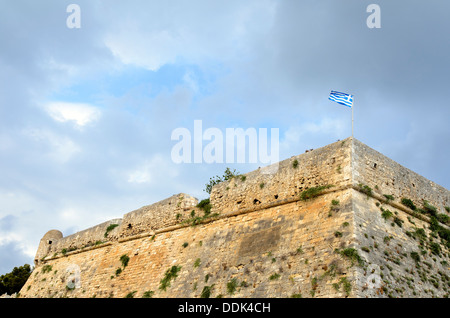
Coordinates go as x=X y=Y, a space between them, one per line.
x=385 y=176
x=284 y=181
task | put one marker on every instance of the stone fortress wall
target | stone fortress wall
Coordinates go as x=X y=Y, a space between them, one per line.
x=378 y=171
x=261 y=239
x=402 y=254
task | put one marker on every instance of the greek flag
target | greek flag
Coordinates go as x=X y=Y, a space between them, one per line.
x=341 y=98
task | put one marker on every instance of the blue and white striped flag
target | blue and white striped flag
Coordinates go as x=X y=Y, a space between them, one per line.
x=341 y=98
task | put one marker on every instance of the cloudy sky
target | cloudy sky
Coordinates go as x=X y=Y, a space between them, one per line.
x=86 y=114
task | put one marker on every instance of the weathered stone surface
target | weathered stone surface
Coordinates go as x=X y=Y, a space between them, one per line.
x=265 y=241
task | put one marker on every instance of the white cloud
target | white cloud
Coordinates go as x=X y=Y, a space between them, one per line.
x=156 y=168
x=8 y=238
x=308 y=135
x=183 y=31
x=141 y=175
x=58 y=148
x=335 y=126
x=20 y=242
x=191 y=81
x=150 y=51
x=80 y=113
x=19 y=221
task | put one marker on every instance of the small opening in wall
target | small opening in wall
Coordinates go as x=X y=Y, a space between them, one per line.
x=374 y=165
x=239 y=202
x=49 y=242
x=256 y=201
x=129 y=226
x=413 y=185
x=276 y=196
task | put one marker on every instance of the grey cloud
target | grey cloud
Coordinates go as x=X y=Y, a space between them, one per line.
x=398 y=74
x=12 y=256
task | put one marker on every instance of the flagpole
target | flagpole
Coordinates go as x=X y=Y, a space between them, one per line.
x=353 y=105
